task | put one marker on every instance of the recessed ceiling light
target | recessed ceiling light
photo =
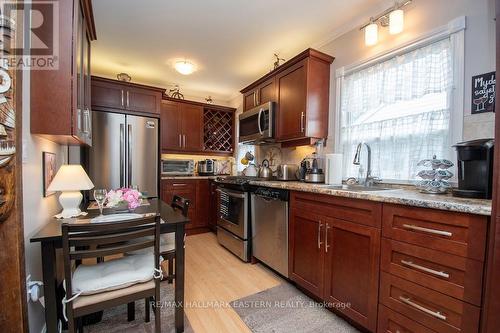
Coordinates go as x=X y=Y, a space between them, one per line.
x=184 y=67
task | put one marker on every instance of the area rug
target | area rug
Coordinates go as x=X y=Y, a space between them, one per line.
x=284 y=309
x=115 y=320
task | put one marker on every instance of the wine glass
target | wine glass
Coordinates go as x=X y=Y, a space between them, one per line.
x=100 y=197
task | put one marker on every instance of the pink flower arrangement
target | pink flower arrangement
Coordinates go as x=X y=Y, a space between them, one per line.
x=124 y=195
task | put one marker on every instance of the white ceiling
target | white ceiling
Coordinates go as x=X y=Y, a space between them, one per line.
x=231 y=41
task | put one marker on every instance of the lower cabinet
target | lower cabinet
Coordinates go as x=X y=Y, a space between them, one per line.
x=196 y=191
x=213 y=205
x=335 y=257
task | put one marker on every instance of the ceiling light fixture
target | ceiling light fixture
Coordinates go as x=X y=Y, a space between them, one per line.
x=371 y=34
x=396 y=21
x=392 y=18
x=184 y=67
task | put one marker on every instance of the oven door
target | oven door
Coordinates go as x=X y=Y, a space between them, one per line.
x=232 y=214
x=257 y=125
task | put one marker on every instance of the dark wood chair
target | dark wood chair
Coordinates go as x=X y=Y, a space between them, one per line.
x=167 y=245
x=93 y=240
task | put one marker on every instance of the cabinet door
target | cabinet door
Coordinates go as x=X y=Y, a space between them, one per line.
x=186 y=189
x=170 y=126
x=78 y=123
x=250 y=100
x=142 y=100
x=352 y=254
x=267 y=91
x=306 y=250
x=292 y=90
x=87 y=113
x=107 y=95
x=192 y=127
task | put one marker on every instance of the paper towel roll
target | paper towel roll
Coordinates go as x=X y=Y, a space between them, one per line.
x=333 y=166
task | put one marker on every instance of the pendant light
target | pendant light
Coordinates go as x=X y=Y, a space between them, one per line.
x=396 y=21
x=371 y=34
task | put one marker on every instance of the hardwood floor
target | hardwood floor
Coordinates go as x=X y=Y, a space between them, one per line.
x=215 y=275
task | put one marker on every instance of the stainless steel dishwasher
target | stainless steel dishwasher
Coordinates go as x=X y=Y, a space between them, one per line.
x=269 y=211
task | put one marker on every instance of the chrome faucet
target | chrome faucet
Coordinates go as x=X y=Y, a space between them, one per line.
x=369 y=181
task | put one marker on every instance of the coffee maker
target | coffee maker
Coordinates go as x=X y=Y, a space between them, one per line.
x=475 y=169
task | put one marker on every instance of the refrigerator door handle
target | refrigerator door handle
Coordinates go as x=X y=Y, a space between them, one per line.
x=129 y=183
x=122 y=155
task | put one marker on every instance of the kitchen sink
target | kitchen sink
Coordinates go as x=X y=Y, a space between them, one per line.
x=358 y=188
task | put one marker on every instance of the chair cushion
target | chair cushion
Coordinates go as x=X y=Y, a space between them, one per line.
x=87 y=300
x=113 y=274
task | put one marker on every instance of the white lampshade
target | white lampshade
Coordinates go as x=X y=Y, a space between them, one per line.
x=396 y=21
x=71 y=177
x=371 y=34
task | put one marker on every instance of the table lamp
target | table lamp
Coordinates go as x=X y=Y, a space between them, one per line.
x=70 y=179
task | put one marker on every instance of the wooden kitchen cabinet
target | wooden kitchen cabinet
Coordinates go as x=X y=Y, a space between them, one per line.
x=181 y=127
x=125 y=97
x=196 y=191
x=301 y=89
x=68 y=120
x=306 y=254
x=334 y=256
x=352 y=255
x=263 y=93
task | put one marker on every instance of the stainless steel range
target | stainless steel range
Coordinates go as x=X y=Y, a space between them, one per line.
x=233 y=222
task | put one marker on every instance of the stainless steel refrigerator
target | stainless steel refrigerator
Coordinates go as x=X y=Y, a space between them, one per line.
x=124 y=152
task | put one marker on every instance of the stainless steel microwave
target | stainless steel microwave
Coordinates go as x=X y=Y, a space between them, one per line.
x=257 y=124
x=177 y=167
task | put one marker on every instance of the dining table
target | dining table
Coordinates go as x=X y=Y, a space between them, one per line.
x=50 y=238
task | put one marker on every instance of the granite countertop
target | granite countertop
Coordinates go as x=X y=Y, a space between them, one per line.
x=403 y=196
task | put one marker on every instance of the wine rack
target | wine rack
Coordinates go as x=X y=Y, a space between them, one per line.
x=218 y=130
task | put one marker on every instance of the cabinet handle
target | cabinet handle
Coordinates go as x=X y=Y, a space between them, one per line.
x=180 y=140
x=409 y=302
x=128 y=99
x=255 y=99
x=179 y=184
x=425 y=269
x=326 y=238
x=184 y=140
x=319 y=234
x=123 y=99
x=302 y=122
x=427 y=230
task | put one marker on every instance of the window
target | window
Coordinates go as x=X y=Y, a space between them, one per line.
x=242 y=150
x=402 y=108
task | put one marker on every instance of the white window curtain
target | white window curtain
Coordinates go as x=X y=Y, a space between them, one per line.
x=401 y=108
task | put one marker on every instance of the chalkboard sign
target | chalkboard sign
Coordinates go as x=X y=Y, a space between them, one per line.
x=483 y=93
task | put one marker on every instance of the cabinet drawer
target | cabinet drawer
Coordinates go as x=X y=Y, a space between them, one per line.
x=455 y=233
x=430 y=308
x=452 y=275
x=353 y=210
x=391 y=322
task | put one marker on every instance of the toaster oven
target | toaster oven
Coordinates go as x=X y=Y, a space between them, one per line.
x=177 y=167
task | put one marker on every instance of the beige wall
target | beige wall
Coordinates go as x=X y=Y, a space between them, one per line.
x=423 y=16
x=37 y=210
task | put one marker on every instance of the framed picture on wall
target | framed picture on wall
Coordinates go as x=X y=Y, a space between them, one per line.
x=49 y=167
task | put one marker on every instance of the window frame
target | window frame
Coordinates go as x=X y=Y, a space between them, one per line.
x=455 y=30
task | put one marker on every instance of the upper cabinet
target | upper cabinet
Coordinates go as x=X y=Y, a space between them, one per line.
x=113 y=95
x=301 y=89
x=61 y=97
x=263 y=93
x=194 y=127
